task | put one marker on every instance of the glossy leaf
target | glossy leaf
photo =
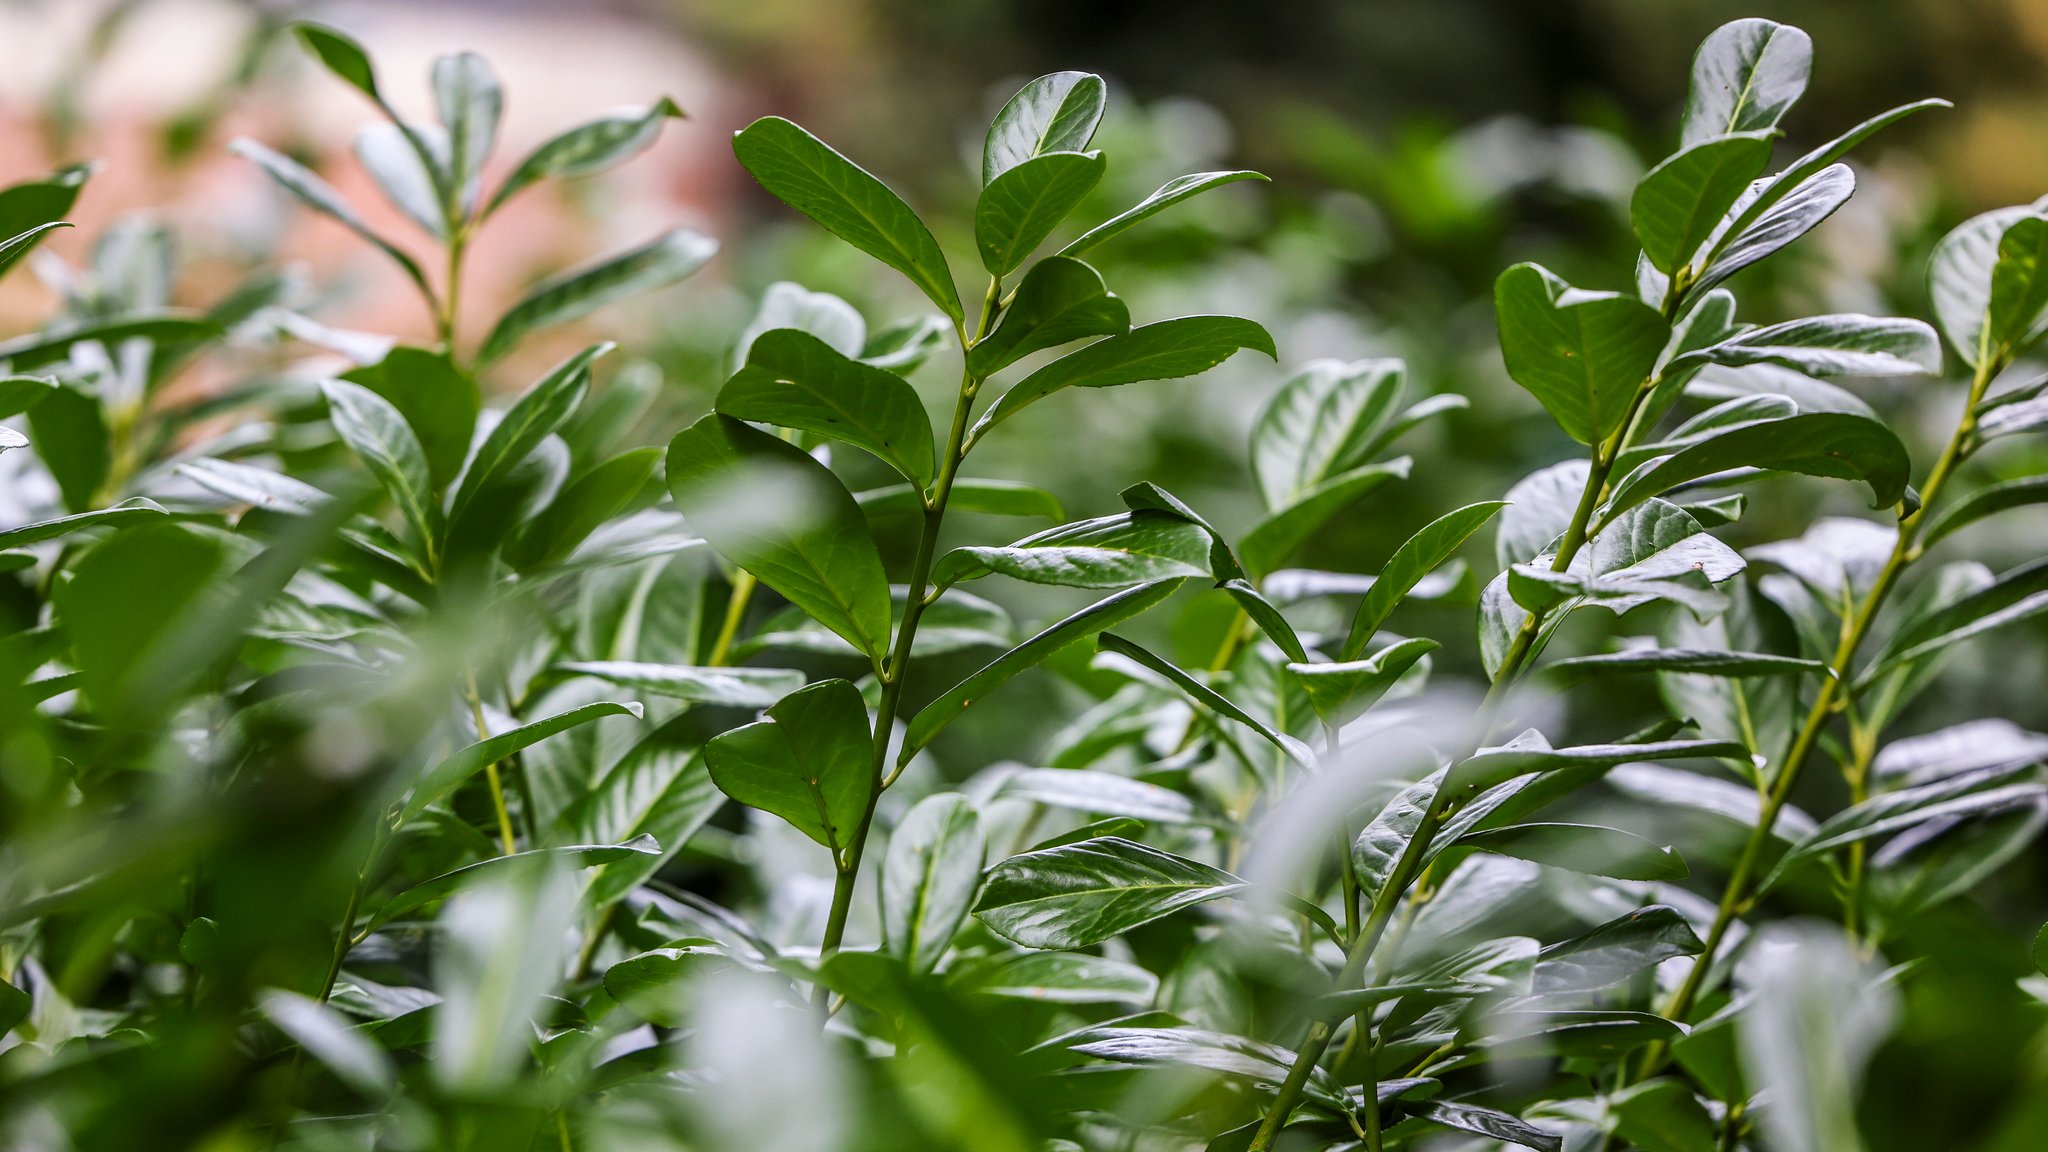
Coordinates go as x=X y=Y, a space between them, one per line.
x=470 y=102
x=1321 y=422
x=1588 y=848
x=379 y=436
x=1340 y=692
x=577 y=293
x=585 y=505
x=1615 y=951
x=1108 y=552
x=1165 y=350
x=1064 y=978
x=1677 y=206
x=970 y=494
x=930 y=878
x=1582 y=354
x=1799 y=211
x=1746 y=75
x=792 y=379
x=449 y=774
x=1022 y=206
x=724 y=687
x=2024 y=492
x=810 y=762
x=1208 y=697
x=1828 y=444
x=1165 y=196
x=1844 y=345
x=1060 y=300
x=1078 y=895
x=806 y=174
x=1099 y=792
x=1418 y=556
x=1054 y=113
x=448 y=883
x=1959 y=276
x=1276 y=536
x=532 y=418
x=134 y=511
x=439 y=401
x=588 y=148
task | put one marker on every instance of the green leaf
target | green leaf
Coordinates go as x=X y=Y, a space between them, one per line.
x=1078 y=895
x=1959 y=278
x=1062 y=978
x=656 y=986
x=128 y=608
x=1107 y=552
x=133 y=511
x=1103 y=614
x=2021 y=493
x=18 y=394
x=1842 y=345
x=659 y=790
x=39 y=348
x=531 y=419
x=1340 y=693
x=2019 y=287
x=1054 y=113
x=15 y=1005
x=1678 y=204
x=988 y=497
x=1836 y=445
x=771 y=509
x=929 y=878
x=1166 y=196
x=1689 y=661
x=322 y=197
x=2016 y=595
x=724 y=687
x=588 y=148
x=1488 y=1122
x=379 y=436
x=792 y=379
x=470 y=102
x=353 y=1057
x=806 y=174
x=1582 y=354
x=573 y=295
x=1490 y=766
x=1615 y=951
x=1166 y=350
x=1100 y=793
x=1797 y=212
x=1021 y=207
x=1746 y=75
x=1208 y=697
x=1662 y=1115
x=1323 y=420
x=1943 y=802
x=823 y=315
x=71 y=438
x=810 y=762
x=2041 y=950
x=1417 y=557
x=448 y=883
x=1059 y=301
x=1588 y=848
x=256 y=487
x=1187 y=1049
x=1267 y=616
x=342 y=54
x=439 y=401
x=387 y=153
x=587 y=504
x=450 y=774
x=1272 y=540
x=30 y=209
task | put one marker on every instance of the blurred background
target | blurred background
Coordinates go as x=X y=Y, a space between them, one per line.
x=1416 y=147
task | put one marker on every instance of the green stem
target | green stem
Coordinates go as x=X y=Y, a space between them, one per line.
x=345 y=939
x=449 y=314
x=735 y=613
x=483 y=732
x=1735 y=897
x=894 y=672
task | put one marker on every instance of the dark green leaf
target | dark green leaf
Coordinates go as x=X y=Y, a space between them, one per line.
x=1166 y=350
x=1054 y=113
x=1108 y=552
x=587 y=504
x=531 y=419
x=450 y=774
x=446 y=884
x=379 y=436
x=1339 y=693
x=1663 y=1116
x=18 y=394
x=810 y=762
x=29 y=209
x=1690 y=661
x=1078 y=895
x=1208 y=697
x=70 y=435
x=1417 y=557
x=438 y=400
x=1021 y=207
x=37 y=349
x=806 y=174
x=1272 y=540
x=1615 y=951
x=930 y=877
x=2020 y=493
x=1582 y=354
x=342 y=55
x=1059 y=301
x=2019 y=287
x=1166 y=196
x=771 y=509
x=1063 y=978
x=792 y=379
x=1677 y=206
x=1829 y=444
x=2014 y=596
x=1843 y=345
x=1099 y=792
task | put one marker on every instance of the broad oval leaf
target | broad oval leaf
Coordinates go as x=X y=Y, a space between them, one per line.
x=1078 y=895
x=810 y=762
x=1582 y=354
x=1021 y=207
x=804 y=172
x=1060 y=300
x=1108 y=552
x=1746 y=75
x=1959 y=278
x=792 y=379
x=930 y=877
x=1054 y=113
x=771 y=509
x=1678 y=204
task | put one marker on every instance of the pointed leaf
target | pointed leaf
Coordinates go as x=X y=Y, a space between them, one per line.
x=131 y=511
x=1021 y=207
x=379 y=436
x=1417 y=557
x=1828 y=444
x=1059 y=301
x=576 y=294
x=1677 y=206
x=322 y=197
x=531 y=419
x=792 y=379
x=449 y=774
x=1745 y=76
x=1166 y=196
x=1340 y=693
x=1844 y=345
x=930 y=877
x=588 y=148
x=1587 y=848
x=1323 y=420
x=811 y=762
x=1208 y=697
x=1274 y=539
x=724 y=687
x=1108 y=552
x=1166 y=350
x=1078 y=895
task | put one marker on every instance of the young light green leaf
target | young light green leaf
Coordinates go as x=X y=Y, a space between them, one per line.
x=1021 y=207
x=810 y=762
x=803 y=172
x=576 y=294
x=1959 y=276
x=1828 y=444
x=1054 y=113
x=1587 y=848
x=450 y=774
x=470 y=102
x=792 y=379
x=1340 y=693
x=1165 y=350
x=771 y=509
x=588 y=148
x=1060 y=300
x=1417 y=557
x=1107 y=552
x=2019 y=287
x=1582 y=354
x=1103 y=614
x=1166 y=196
x=1746 y=75
x=531 y=419
x=1678 y=204
x=930 y=877
x=1078 y=895
x=379 y=436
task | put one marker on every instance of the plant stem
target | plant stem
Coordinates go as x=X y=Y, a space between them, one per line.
x=743 y=585
x=344 y=938
x=898 y=664
x=483 y=732
x=1735 y=897
x=449 y=315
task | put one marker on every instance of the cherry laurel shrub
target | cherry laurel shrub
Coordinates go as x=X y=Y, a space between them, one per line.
x=365 y=762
